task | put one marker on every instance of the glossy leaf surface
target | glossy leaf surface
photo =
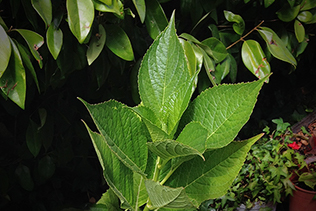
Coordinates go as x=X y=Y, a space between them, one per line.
x=141 y=9
x=239 y=25
x=215 y=48
x=80 y=17
x=299 y=31
x=288 y=13
x=5 y=50
x=54 y=39
x=44 y=9
x=96 y=45
x=305 y=16
x=255 y=59
x=118 y=42
x=115 y=7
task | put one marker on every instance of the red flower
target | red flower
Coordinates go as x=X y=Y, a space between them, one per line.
x=294 y=145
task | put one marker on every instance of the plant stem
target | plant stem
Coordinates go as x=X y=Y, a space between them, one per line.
x=242 y=38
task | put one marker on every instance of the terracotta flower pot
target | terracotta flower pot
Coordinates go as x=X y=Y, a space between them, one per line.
x=302 y=200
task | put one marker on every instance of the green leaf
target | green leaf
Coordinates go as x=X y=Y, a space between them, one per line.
x=162 y=196
x=255 y=59
x=80 y=17
x=155 y=19
x=288 y=13
x=267 y=3
x=96 y=45
x=24 y=177
x=126 y=184
x=305 y=16
x=109 y=200
x=34 y=41
x=33 y=140
x=13 y=81
x=27 y=62
x=44 y=9
x=141 y=9
x=107 y=2
x=275 y=45
x=46 y=167
x=115 y=7
x=307 y=5
x=54 y=39
x=169 y=149
x=118 y=42
x=211 y=178
x=239 y=25
x=222 y=70
x=189 y=37
x=233 y=68
x=215 y=48
x=299 y=31
x=5 y=50
x=123 y=132
x=223 y=110
x=189 y=56
x=165 y=85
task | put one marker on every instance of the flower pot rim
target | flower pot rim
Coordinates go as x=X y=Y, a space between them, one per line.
x=304 y=190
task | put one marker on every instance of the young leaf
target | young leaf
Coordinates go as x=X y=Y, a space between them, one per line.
x=255 y=59
x=162 y=196
x=211 y=178
x=34 y=41
x=96 y=45
x=299 y=31
x=223 y=110
x=118 y=42
x=126 y=184
x=215 y=48
x=44 y=9
x=54 y=39
x=165 y=85
x=123 y=131
x=115 y=7
x=5 y=50
x=275 y=45
x=239 y=25
x=141 y=9
x=155 y=19
x=80 y=17
x=13 y=81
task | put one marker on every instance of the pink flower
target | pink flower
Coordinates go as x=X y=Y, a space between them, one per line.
x=294 y=145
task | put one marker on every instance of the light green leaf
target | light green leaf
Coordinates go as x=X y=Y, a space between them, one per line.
x=233 y=68
x=33 y=141
x=118 y=42
x=13 y=81
x=5 y=50
x=275 y=45
x=288 y=13
x=115 y=7
x=109 y=200
x=123 y=132
x=211 y=178
x=222 y=70
x=215 y=48
x=189 y=56
x=80 y=17
x=164 y=81
x=162 y=196
x=223 y=110
x=307 y=5
x=54 y=39
x=169 y=149
x=107 y=2
x=189 y=37
x=44 y=9
x=255 y=59
x=305 y=16
x=141 y=9
x=126 y=184
x=2 y=23
x=239 y=25
x=299 y=31
x=96 y=45
x=155 y=19
x=34 y=41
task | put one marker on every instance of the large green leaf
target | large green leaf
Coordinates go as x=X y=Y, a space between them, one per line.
x=96 y=45
x=115 y=7
x=255 y=59
x=239 y=25
x=44 y=9
x=141 y=9
x=299 y=31
x=118 y=42
x=163 y=196
x=276 y=46
x=54 y=39
x=155 y=19
x=215 y=48
x=123 y=131
x=223 y=110
x=34 y=41
x=13 y=81
x=80 y=17
x=211 y=178
x=165 y=85
x=126 y=184
x=5 y=50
